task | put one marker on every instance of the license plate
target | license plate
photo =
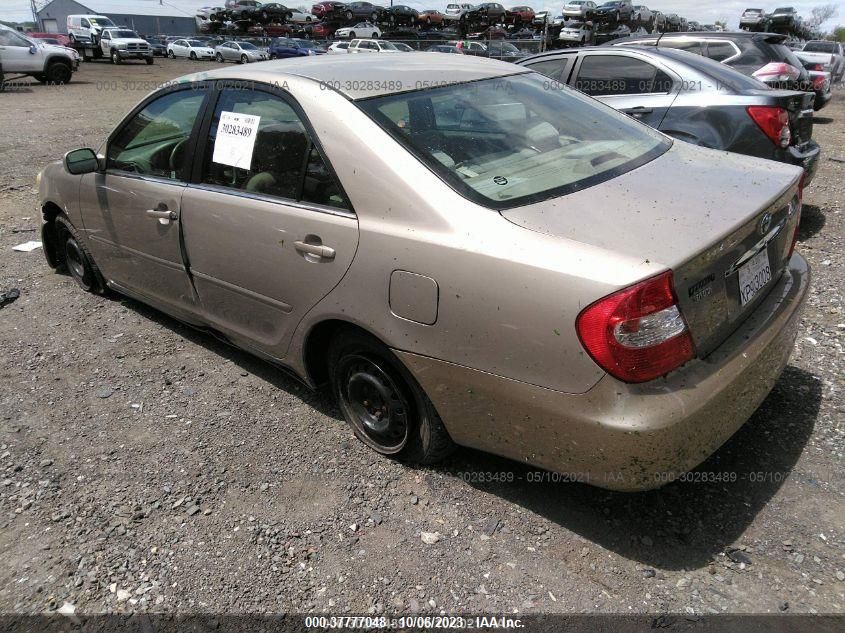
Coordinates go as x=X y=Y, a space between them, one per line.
x=753 y=276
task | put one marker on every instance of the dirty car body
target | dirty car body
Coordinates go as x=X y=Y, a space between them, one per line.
x=485 y=263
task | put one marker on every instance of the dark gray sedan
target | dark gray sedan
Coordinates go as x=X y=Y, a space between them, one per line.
x=691 y=98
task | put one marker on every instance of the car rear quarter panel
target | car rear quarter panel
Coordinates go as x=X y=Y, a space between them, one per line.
x=508 y=297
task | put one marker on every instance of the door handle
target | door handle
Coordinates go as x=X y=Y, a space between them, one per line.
x=639 y=110
x=163 y=215
x=318 y=250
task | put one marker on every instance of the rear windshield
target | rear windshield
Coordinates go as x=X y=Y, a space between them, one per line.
x=724 y=76
x=510 y=141
x=819 y=47
x=248 y=47
x=196 y=43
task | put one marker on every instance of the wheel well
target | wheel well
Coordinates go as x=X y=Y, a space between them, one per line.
x=49 y=235
x=316 y=348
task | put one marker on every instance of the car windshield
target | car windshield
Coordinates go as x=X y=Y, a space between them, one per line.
x=248 y=47
x=195 y=43
x=101 y=21
x=754 y=11
x=574 y=25
x=503 y=46
x=819 y=47
x=508 y=141
x=388 y=46
x=784 y=10
x=305 y=43
x=124 y=34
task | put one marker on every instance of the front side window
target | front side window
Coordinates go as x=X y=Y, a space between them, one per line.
x=284 y=162
x=10 y=38
x=508 y=141
x=154 y=141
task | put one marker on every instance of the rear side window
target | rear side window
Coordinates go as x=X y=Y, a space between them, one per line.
x=606 y=75
x=720 y=51
x=691 y=46
x=284 y=162
x=551 y=68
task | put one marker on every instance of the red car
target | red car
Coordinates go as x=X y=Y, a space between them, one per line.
x=520 y=15
x=321 y=30
x=328 y=9
x=278 y=30
x=431 y=17
x=63 y=40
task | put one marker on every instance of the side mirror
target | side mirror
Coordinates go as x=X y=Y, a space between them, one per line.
x=81 y=161
x=33 y=49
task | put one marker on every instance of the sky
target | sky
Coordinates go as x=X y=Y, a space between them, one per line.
x=704 y=12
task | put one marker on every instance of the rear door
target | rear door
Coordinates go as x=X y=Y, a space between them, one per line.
x=628 y=83
x=268 y=230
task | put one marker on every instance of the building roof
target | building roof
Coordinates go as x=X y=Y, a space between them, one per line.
x=166 y=8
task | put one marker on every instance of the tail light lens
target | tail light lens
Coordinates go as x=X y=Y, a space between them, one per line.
x=777 y=71
x=817 y=67
x=638 y=333
x=819 y=83
x=774 y=122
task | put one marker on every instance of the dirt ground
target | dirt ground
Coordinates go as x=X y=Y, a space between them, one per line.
x=148 y=467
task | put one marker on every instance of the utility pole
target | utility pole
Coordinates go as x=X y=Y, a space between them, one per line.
x=34 y=14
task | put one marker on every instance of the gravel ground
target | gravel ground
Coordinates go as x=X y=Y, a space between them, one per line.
x=147 y=467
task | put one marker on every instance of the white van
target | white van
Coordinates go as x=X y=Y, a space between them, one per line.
x=86 y=28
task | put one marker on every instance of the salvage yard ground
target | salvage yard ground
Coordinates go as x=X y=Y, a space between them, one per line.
x=148 y=467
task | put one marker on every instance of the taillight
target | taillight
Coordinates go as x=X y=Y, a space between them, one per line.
x=820 y=83
x=777 y=71
x=774 y=122
x=638 y=333
x=817 y=67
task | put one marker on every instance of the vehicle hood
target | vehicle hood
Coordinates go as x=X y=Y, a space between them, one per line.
x=667 y=210
x=130 y=40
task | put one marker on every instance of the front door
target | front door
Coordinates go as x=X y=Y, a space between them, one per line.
x=133 y=213
x=268 y=230
x=18 y=54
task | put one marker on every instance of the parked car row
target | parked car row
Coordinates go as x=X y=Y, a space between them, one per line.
x=782 y=20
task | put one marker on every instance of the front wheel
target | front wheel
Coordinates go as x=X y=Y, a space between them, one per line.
x=379 y=398
x=244 y=59
x=171 y=54
x=77 y=260
x=351 y=35
x=149 y=61
x=375 y=36
x=115 y=57
x=272 y=55
x=58 y=73
x=193 y=56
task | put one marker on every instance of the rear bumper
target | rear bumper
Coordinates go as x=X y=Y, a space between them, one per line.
x=806 y=157
x=617 y=435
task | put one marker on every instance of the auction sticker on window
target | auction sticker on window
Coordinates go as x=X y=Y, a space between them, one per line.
x=235 y=140
x=753 y=276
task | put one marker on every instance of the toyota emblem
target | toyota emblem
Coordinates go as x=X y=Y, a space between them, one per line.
x=765 y=223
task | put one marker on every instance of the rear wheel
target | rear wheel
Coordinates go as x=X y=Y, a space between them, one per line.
x=76 y=258
x=351 y=35
x=219 y=57
x=382 y=402
x=375 y=36
x=58 y=73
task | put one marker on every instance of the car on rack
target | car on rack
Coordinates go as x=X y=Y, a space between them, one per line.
x=400 y=14
x=485 y=13
x=323 y=30
x=615 y=11
x=362 y=29
x=784 y=18
x=693 y=99
x=363 y=11
x=659 y=21
x=190 y=48
x=85 y=28
x=575 y=33
x=239 y=52
x=430 y=17
x=583 y=9
x=643 y=15
x=754 y=20
x=455 y=11
x=44 y=62
x=120 y=44
x=329 y=10
x=273 y=12
x=520 y=15
x=639 y=352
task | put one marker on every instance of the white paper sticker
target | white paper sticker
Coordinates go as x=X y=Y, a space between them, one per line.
x=235 y=139
x=26 y=247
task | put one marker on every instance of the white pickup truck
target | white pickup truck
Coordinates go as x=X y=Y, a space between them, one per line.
x=119 y=43
x=47 y=63
x=828 y=55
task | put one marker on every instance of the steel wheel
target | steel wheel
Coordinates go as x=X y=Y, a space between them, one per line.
x=76 y=259
x=373 y=403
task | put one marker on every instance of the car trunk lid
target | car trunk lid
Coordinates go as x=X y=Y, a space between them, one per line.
x=669 y=212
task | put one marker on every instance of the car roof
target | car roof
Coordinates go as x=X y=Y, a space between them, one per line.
x=362 y=77
x=728 y=35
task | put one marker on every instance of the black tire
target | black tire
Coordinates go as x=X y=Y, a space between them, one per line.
x=150 y=61
x=351 y=35
x=308 y=20
x=220 y=60
x=193 y=56
x=382 y=403
x=244 y=59
x=375 y=36
x=374 y=17
x=171 y=54
x=115 y=57
x=348 y=15
x=272 y=55
x=76 y=259
x=58 y=73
